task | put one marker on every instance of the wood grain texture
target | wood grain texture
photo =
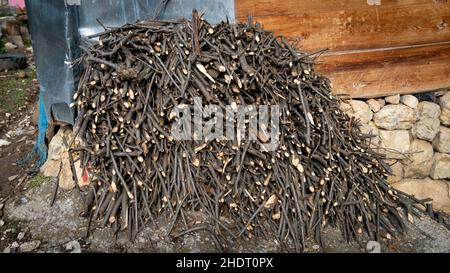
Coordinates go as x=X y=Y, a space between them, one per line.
x=352 y=24
x=361 y=35
x=387 y=72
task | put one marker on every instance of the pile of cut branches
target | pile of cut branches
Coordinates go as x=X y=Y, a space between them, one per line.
x=322 y=172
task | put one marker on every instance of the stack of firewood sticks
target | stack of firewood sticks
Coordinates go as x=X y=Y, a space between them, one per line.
x=323 y=171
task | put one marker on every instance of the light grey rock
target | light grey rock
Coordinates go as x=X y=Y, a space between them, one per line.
x=374 y=105
x=419 y=161
x=396 y=143
x=73 y=247
x=346 y=107
x=371 y=129
x=373 y=247
x=382 y=102
x=56 y=147
x=427 y=125
x=442 y=141
x=395 y=117
x=4 y=142
x=410 y=100
x=10 y=46
x=29 y=246
x=395 y=99
x=397 y=172
x=20 y=236
x=57 y=155
x=438 y=190
x=361 y=110
x=441 y=166
x=444 y=102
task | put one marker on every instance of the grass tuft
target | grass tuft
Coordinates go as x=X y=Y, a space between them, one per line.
x=38 y=181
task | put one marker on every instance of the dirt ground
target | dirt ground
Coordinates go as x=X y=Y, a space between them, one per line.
x=29 y=224
x=18 y=100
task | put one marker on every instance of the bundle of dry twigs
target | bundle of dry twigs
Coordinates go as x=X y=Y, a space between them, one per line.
x=323 y=172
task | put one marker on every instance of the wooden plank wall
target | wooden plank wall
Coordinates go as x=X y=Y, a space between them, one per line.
x=377 y=47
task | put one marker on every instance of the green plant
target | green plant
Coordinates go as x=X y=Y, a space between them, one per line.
x=6 y=14
x=11 y=97
x=15 y=92
x=2 y=46
x=37 y=181
x=27 y=42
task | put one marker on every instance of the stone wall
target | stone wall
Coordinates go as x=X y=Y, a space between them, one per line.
x=415 y=135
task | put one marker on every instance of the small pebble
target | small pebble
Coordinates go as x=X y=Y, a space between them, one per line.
x=22 y=75
x=29 y=246
x=20 y=236
x=8 y=231
x=12 y=178
x=4 y=142
x=373 y=247
x=73 y=247
x=15 y=245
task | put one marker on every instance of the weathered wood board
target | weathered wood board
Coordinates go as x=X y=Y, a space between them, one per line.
x=384 y=72
x=377 y=47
